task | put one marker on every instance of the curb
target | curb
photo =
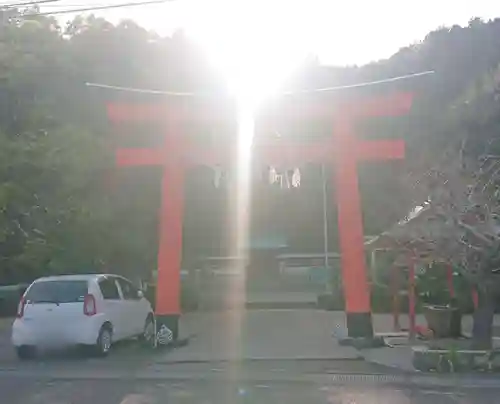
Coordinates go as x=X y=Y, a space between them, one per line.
x=458 y=382
x=365 y=354
x=408 y=371
x=357 y=358
x=363 y=343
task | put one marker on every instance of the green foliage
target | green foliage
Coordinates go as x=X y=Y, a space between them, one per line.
x=59 y=212
x=432 y=286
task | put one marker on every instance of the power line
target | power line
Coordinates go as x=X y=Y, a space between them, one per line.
x=95 y=8
x=27 y=3
x=309 y=91
x=363 y=84
x=144 y=90
x=66 y=5
x=61 y=4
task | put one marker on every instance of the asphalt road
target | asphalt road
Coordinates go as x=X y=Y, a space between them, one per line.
x=132 y=375
x=27 y=391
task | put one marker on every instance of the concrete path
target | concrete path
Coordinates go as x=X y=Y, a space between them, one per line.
x=269 y=334
x=275 y=334
x=290 y=298
x=261 y=334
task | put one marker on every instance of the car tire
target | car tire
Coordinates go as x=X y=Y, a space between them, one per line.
x=147 y=338
x=104 y=341
x=26 y=352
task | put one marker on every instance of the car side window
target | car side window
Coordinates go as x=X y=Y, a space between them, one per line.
x=129 y=291
x=109 y=289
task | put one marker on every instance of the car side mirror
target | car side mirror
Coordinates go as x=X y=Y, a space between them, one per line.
x=140 y=294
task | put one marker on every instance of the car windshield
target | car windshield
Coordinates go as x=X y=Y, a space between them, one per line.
x=57 y=292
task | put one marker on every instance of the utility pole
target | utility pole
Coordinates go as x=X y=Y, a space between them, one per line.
x=325 y=217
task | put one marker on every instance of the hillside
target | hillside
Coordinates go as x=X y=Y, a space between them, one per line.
x=59 y=211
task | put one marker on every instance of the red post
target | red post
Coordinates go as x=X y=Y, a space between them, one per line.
x=170 y=245
x=411 y=295
x=395 y=298
x=350 y=225
x=348 y=151
x=475 y=298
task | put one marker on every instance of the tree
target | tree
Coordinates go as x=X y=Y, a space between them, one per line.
x=458 y=200
x=57 y=146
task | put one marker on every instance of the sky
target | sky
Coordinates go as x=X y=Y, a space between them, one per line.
x=338 y=32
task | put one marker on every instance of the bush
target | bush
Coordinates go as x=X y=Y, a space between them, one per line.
x=9 y=299
x=330 y=302
x=189 y=297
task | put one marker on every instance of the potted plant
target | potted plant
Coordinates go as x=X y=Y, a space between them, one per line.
x=440 y=309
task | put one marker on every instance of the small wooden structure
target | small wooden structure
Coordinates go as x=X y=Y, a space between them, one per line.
x=409 y=253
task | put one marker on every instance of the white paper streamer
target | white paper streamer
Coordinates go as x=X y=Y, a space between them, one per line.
x=296 y=178
x=289 y=178
x=273 y=175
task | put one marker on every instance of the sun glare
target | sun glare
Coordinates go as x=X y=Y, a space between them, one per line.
x=255 y=44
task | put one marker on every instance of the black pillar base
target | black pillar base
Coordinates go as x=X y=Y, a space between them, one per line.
x=167 y=328
x=359 y=325
x=360 y=332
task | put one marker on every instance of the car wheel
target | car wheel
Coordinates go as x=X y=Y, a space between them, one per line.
x=104 y=340
x=147 y=338
x=26 y=352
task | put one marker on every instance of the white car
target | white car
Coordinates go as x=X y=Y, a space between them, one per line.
x=89 y=310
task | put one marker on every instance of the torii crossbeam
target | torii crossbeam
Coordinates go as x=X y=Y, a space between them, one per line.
x=343 y=150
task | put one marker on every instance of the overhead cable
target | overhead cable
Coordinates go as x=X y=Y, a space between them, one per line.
x=27 y=3
x=307 y=91
x=363 y=84
x=95 y=8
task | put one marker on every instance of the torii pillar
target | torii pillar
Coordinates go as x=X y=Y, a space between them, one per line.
x=343 y=150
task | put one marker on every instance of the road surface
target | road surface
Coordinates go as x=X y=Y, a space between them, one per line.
x=27 y=391
x=134 y=376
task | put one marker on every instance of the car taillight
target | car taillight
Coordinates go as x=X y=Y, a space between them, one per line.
x=89 y=306
x=20 y=308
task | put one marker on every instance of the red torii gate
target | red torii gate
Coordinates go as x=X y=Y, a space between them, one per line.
x=343 y=150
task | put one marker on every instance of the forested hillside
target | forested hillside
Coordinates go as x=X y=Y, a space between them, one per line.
x=63 y=207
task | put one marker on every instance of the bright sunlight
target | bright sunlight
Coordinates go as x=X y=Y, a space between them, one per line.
x=255 y=44
x=255 y=48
